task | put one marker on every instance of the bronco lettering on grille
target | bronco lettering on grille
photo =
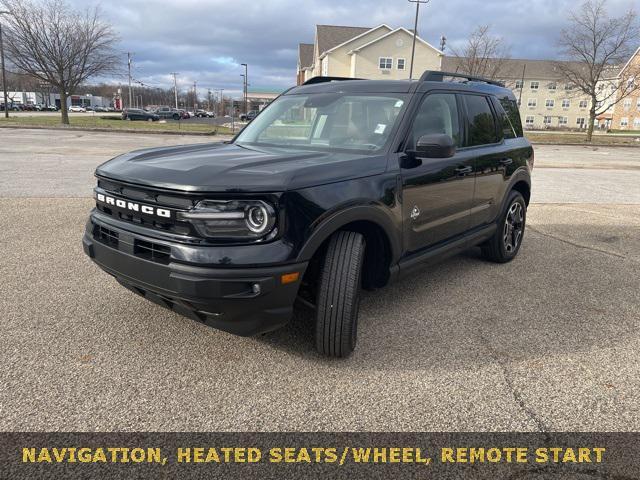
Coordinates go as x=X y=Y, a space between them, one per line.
x=133 y=206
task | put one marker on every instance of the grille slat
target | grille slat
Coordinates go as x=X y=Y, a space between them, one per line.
x=106 y=236
x=152 y=251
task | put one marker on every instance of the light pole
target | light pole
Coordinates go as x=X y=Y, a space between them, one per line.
x=246 y=84
x=244 y=88
x=175 y=87
x=415 y=33
x=4 y=72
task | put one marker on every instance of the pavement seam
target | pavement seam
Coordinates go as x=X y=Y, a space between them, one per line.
x=578 y=245
x=506 y=373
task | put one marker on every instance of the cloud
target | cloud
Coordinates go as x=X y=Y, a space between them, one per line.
x=206 y=40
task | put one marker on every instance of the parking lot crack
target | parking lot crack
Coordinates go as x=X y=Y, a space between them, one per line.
x=502 y=362
x=577 y=245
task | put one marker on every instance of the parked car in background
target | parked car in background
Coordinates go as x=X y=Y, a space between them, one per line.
x=139 y=114
x=169 y=113
x=248 y=116
x=51 y=108
x=204 y=114
x=100 y=109
x=77 y=109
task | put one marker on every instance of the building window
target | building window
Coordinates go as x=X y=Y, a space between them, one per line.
x=580 y=121
x=385 y=63
x=563 y=120
x=400 y=64
x=535 y=85
x=638 y=103
x=552 y=86
x=529 y=120
x=547 y=120
x=568 y=86
x=519 y=84
x=636 y=123
x=627 y=103
x=550 y=103
x=584 y=103
x=533 y=102
x=624 y=122
x=566 y=103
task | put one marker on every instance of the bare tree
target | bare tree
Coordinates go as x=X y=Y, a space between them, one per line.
x=484 y=55
x=597 y=48
x=50 y=41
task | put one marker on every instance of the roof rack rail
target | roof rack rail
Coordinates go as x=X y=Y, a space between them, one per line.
x=315 y=80
x=436 y=76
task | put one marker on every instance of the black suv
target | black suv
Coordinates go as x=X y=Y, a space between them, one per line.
x=335 y=186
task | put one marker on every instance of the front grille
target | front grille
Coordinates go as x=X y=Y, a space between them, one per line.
x=152 y=251
x=106 y=236
x=148 y=197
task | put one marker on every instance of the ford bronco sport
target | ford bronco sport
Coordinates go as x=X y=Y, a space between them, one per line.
x=338 y=185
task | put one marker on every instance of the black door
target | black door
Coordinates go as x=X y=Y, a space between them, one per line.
x=485 y=140
x=437 y=192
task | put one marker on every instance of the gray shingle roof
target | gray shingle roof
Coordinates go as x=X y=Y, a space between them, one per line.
x=329 y=36
x=305 y=54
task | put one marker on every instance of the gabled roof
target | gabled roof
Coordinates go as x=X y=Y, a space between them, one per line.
x=637 y=52
x=330 y=36
x=305 y=55
x=400 y=29
x=384 y=25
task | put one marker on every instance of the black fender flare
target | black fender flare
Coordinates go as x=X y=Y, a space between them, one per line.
x=367 y=213
x=520 y=175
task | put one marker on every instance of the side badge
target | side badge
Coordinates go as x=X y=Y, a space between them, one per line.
x=415 y=212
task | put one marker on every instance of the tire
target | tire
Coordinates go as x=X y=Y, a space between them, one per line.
x=149 y=119
x=505 y=243
x=338 y=297
x=176 y=117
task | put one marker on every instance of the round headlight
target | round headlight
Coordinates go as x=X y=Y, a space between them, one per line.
x=257 y=218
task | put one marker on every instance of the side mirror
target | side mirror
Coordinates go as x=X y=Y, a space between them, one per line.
x=435 y=145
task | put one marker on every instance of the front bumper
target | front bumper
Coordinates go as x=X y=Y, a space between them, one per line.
x=240 y=300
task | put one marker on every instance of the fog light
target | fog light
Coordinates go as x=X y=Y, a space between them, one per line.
x=255 y=288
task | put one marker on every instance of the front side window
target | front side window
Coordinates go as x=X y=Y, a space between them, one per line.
x=482 y=124
x=386 y=63
x=438 y=113
x=326 y=121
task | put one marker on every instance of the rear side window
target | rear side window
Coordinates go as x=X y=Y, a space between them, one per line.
x=510 y=106
x=482 y=125
x=504 y=123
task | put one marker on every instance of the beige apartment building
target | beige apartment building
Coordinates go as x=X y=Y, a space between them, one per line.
x=378 y=53
x=382 y=52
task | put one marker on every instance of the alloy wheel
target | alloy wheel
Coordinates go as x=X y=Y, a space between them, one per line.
x=513 y=227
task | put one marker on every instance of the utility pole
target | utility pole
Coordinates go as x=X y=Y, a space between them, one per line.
x=195 y=96
x=246 y=85
x=221 y=112
x=4 y=73
x=209 y=99
x=443 y=43
x=129 y=66
x=415 y=32
x=175 y=87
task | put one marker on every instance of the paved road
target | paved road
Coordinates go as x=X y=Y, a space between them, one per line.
x=547 y=342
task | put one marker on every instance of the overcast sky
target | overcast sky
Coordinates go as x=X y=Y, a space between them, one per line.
x=206 y=40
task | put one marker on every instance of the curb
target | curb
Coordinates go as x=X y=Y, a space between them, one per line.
x=599 y=145
x=113 y=130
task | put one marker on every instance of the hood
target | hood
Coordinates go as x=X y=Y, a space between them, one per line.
x=234 y=168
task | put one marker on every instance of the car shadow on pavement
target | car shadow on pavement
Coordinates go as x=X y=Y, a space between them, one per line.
x=555 y=297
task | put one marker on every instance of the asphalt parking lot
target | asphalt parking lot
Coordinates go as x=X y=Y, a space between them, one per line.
x=548 y=342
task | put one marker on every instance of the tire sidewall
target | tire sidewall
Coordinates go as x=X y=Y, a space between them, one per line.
x=514 y=197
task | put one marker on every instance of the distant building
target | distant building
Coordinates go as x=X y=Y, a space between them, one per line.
x=382 y=52
x=43 y=98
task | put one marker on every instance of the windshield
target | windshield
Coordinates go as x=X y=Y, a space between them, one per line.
x=326 y=121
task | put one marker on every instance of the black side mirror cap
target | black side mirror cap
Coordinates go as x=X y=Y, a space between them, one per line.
x=435 y=145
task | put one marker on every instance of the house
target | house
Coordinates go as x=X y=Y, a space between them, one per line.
x=380 y=53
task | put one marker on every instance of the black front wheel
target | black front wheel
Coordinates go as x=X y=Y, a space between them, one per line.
x=338 y=299
x=505 y=243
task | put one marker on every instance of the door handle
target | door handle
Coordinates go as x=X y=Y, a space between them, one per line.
x=464 y=170
x=506 y=161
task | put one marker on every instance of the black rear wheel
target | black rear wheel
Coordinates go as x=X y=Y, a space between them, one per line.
x=338 y=299
x=505 y=243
